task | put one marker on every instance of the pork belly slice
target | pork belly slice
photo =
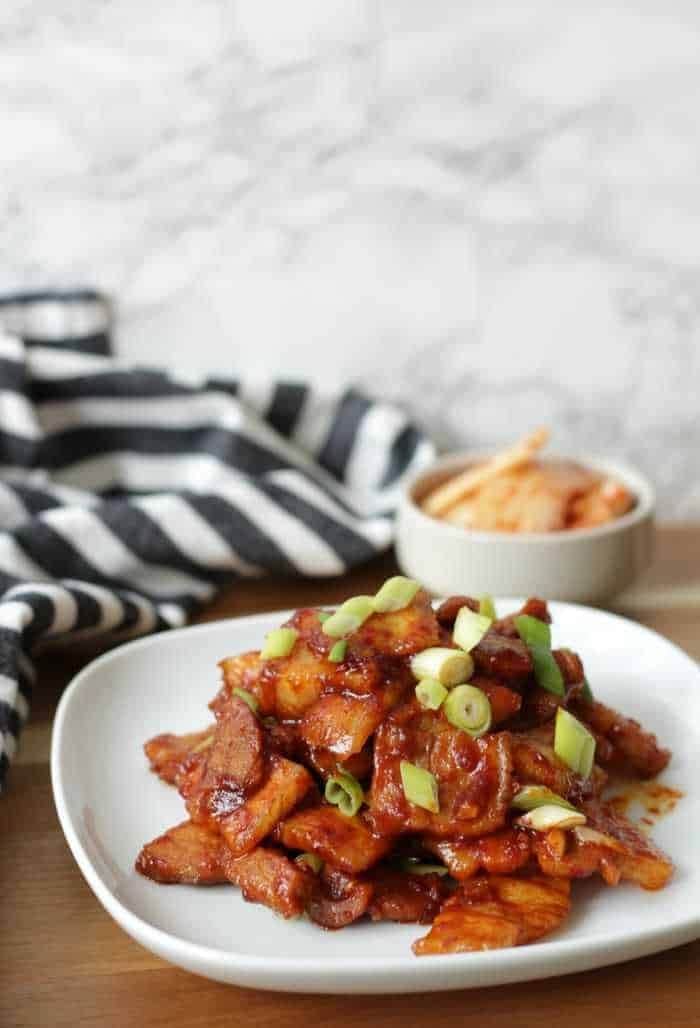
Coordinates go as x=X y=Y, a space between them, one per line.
x=341 y=724
x=495 y=912
x=502 y=657
x=609 y=845
x=405 y=897
x=187 y=854
x=536 y=763
x=503 y=852
x=169 y=754
x=232 y=766
x=268 y=876
x=285 y=786
x=338 y=899
x=345 y=843
x=505 y=702
x=239 y=672
x=401 y=633
x=473 y=776
x=634 y=750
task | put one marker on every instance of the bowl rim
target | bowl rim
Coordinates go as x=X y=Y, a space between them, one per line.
x=638 y=483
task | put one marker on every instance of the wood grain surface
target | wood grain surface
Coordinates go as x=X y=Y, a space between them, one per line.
x=64 y=962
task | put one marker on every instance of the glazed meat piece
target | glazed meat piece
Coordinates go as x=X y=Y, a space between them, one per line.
x=609 y=845
x=347 y=843
x=491 y=913
x=503 y=852
x=187 y=854
x=534 y=607
x=448 y=610
x=536 y=763
x=232 y=766
x=245 y=826
x=401 y=633
x=405 y=897
x=505 y=702
x=473 y=776
x=288 y=686
x=635 y=751
x=266 y=875
x=170 y=755
x=503 y=658
x=338 y=899
x=341 y=724
x=240 y=672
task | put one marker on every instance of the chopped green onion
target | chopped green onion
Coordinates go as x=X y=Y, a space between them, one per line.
x=311 y=861
x=468 y=708
x=533 y=632
x=586 y=693
x=573 y=743
x=348 y=618
x=279 y=643
x=449 y=667
x=487 y=607
x=338 y=651
x=551 y=816
x=323 y=616
x=345 y=792
x=395 y=594
x=420 y=787
x=247 y=698
x=532 y=796
x=430 y=693
x=538 y=639
x=470 y=628
x=416 y=867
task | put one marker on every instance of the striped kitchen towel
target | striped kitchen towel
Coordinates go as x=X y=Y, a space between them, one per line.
x=128 y=495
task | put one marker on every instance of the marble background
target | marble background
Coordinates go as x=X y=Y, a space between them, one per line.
x=488 y=210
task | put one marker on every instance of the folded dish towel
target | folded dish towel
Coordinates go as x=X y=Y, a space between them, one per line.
x=128 y=496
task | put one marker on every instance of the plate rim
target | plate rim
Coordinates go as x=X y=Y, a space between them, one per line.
x=537 y=960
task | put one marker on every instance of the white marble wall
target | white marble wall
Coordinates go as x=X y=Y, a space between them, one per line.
x=490 y=210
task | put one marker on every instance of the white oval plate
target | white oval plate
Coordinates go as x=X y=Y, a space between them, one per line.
x=109 y=804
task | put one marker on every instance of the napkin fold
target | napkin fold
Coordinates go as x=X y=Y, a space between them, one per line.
x=130 y=495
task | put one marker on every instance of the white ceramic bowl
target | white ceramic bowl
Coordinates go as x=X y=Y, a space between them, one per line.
x=585 y=565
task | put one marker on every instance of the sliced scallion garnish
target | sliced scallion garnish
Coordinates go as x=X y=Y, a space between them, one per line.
x=395 y=594
x=344 y=792
x=532 y=796
x=349 y=617
x=449 y=667
x=551 y=816
x=470 y=628
x=430 y=693
x=537 y=637
x=417 y=867
x=279 y=643
x=247 y=698
x=487 y=607
x=420 y=787
x=338 y=651
x=310 y=860
x=468 y=708
x=573 y=743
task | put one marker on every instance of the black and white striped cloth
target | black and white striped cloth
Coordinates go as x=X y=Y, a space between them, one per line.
x=128 y=496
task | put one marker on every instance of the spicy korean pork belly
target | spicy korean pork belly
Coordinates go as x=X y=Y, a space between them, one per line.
x=392 y=761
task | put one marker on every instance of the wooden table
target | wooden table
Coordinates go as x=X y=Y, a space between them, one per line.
x=64 y=962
